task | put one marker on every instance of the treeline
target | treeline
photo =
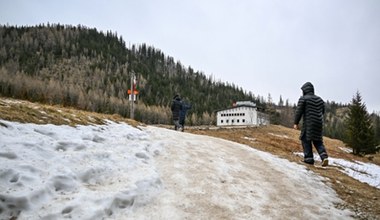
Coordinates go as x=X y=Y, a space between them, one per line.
x=91 y=70
x=339 y=116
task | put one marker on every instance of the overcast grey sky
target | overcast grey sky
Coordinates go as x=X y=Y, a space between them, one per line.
x=264 y=46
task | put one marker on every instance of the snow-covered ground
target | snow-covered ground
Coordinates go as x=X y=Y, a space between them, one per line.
x=364 y=172
x=116 y=171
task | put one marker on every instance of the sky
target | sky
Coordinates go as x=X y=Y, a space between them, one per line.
x=267 y=47
x=116 y=171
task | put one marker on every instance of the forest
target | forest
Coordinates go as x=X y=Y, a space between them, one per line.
x=91 y=70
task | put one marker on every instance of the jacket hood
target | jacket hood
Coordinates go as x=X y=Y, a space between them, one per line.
x=308 y=89
x=177 y=97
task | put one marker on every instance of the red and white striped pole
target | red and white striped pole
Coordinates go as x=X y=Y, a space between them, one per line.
x=132 y=94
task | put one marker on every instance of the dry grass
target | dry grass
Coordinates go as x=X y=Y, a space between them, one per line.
x=28 y=112
x=359 y=197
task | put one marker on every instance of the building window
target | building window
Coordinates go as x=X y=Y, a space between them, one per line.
x=243 y=120
x=232 y=121
x=227 y=121
x=237 y=121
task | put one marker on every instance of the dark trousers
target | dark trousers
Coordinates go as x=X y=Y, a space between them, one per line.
x=177 y=125
x=308 y=150
x=182 y=122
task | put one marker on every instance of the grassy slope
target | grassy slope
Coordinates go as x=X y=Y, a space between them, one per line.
x=28 y=112
x=278 y=140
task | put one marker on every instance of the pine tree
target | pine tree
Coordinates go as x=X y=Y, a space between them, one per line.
x=376 y=122
x=281 y=102
x=359 y=127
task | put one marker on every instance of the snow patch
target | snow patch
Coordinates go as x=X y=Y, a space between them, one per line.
x=116 y=171
x=86 y=172
x=345 y=149
x=250 y=139
x=278 y=135
x=364 y=172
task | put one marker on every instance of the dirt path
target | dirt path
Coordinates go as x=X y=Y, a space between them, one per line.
x=278 y=140
x=210 y=178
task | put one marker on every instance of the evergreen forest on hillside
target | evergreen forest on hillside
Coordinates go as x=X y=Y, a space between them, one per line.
x=91 y=70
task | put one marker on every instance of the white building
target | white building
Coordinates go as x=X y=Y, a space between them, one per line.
x=242 y=113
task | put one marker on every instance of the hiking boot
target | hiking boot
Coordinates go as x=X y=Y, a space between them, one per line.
x=325 y=162
x=307 y=162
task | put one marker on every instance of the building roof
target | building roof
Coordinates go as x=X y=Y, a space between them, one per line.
x=250 y=103
x=237 y=106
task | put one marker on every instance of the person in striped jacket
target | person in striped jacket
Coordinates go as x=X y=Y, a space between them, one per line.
x=310 y=109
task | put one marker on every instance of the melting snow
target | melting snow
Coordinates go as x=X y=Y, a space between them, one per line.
x=116 y=171
x=364 y=172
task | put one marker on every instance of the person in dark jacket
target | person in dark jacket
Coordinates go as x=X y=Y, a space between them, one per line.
x=182 y=114
x=311 y=109
x=176 y=109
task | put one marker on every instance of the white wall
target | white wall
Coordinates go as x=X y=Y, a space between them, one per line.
x=242 y=115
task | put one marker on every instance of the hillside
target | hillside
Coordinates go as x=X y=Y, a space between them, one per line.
x=83 y=68
x=285 y=143
x=87 y=69
x=359 y=197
